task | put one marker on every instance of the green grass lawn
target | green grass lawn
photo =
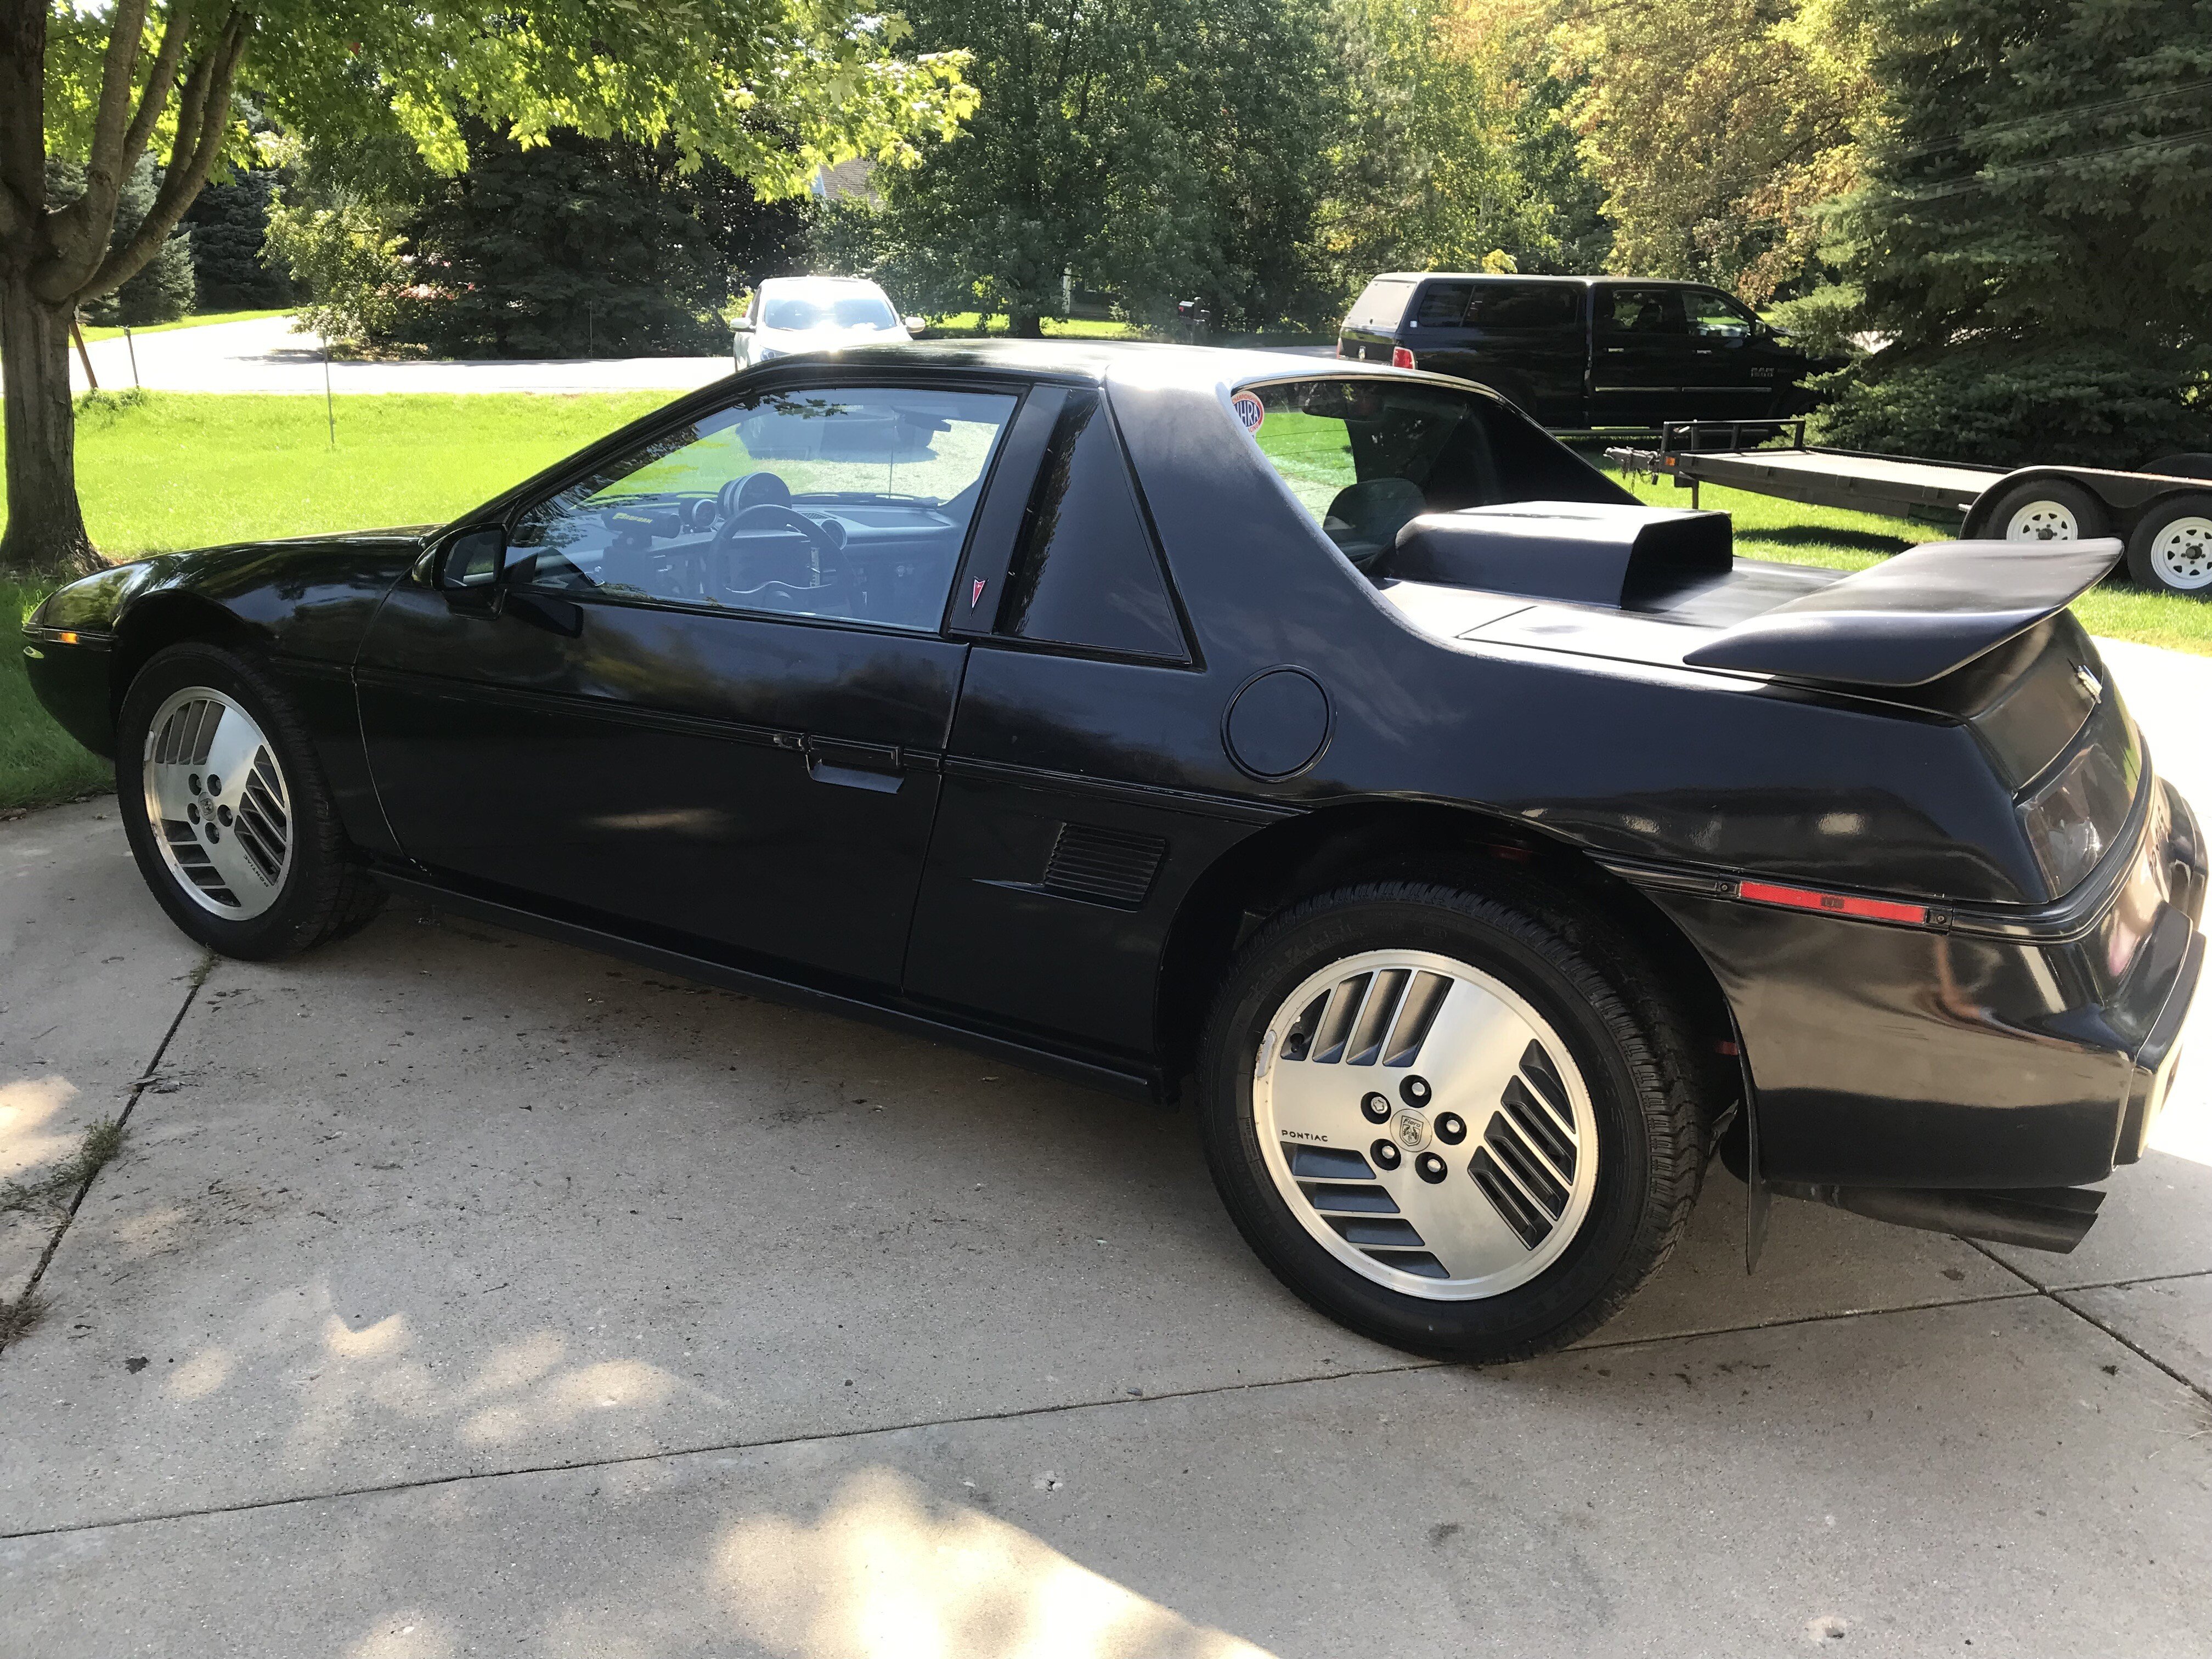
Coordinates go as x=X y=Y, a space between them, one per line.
x=968 y=323
x=197 y=319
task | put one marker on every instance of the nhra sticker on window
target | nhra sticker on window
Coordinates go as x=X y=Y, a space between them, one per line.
x=1248 y=410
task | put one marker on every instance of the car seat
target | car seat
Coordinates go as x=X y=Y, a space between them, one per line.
x=1366 y=517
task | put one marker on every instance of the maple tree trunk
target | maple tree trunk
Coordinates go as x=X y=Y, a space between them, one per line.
x=45 y=533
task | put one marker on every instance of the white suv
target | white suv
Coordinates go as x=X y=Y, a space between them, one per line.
x=816 y=314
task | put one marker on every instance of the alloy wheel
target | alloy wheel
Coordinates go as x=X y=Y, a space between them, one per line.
x=218 y=804
x=1425 y=1125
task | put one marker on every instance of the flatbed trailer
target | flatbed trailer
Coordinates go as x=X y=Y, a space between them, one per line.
x=2165 y=516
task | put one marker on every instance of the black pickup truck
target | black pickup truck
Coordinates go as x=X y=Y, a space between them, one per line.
x=1580 y=352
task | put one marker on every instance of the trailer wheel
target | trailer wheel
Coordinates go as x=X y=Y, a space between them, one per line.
x=2049 y=510
x=2171 y=549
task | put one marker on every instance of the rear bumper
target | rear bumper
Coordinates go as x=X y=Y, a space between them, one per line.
x=1994 y=1053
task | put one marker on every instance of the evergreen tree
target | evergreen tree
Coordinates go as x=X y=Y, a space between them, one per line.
x=583 y=247
x=163 y=290
x=229 y=226
x=2035 y=238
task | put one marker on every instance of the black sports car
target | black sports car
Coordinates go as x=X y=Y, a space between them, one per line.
x=1480 y=849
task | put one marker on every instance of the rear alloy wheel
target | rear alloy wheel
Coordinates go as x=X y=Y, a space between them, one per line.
x=227 y=812
x=2049 y=510
x=1438 y=1121
x=1479 y=1153
x=2172 y=547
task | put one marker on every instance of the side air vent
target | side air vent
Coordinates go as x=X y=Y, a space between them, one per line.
x=1526 y=1163
x=1103 y=866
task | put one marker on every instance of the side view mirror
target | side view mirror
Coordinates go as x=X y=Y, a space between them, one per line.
x=473 y=559
x=742 y=325
x=915 y=325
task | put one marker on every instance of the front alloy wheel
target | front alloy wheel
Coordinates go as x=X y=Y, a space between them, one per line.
x=218 y=799
x=226 y=809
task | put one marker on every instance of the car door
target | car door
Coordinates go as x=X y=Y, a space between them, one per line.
x=1642 y=354
x=1047 y=845
x=703 y=700
x=1731 y=375
x=1525 y=340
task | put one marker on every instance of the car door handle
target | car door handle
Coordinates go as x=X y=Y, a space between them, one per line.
x=876 y=766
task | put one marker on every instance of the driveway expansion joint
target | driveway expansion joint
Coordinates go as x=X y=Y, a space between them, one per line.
x=147 y=1076
x=2058 y=1295
x=1071 y=1407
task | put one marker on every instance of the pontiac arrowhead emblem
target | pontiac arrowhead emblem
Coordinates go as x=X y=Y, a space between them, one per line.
x=973 y=598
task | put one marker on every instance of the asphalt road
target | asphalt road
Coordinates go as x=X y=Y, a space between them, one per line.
x=266 y=355
x=459 y=1293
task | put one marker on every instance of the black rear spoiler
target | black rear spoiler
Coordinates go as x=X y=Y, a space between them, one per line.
x=1914 y=618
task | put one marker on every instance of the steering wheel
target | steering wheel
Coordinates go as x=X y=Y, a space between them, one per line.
x=828 y=541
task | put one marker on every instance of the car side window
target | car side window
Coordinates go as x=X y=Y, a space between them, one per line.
x=1640 y=310
x=1365 y=457
x=1714 y=316
x=1523 y=304
x=1086 y=572
x=1443 y=305
x=845 y=501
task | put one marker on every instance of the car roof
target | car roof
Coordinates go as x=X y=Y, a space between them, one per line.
x=819 y=281
x=1515 y=276
x=1101 y=359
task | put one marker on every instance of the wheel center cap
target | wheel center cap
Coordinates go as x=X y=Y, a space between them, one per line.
x=1411 y=1130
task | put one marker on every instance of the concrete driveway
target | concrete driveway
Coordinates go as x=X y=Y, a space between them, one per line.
x=458 y=1293
x=266 y=356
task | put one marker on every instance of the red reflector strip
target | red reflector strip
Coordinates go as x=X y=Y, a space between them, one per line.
x=1833 y=904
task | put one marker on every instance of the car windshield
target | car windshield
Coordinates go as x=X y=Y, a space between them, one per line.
x=1365 y=456
x=825 y=307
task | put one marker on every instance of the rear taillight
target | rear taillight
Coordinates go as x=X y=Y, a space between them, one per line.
x=1401 y=358
x=2072 y=820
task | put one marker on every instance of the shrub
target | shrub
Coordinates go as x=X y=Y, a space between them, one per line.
x=2016 y=401
x=347 y=258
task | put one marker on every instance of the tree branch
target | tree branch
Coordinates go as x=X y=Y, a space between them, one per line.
x=82 y=227
x=175 y=37
x=203 y=119
x=22 y=120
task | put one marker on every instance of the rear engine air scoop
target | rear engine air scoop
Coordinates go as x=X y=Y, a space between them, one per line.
x=1584 y=552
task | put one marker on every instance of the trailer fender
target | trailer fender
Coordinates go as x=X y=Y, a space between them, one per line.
x=2126 y=496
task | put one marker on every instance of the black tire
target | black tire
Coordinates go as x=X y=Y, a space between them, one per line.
x=2170 y=548
x=325 y=892
x=2047 y=508
x=1634 y=1056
